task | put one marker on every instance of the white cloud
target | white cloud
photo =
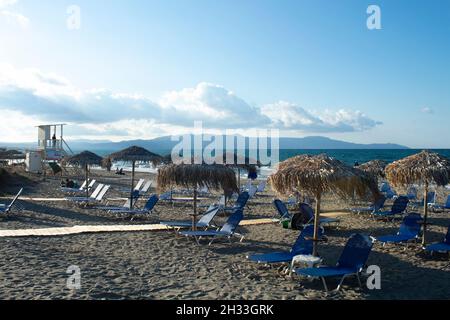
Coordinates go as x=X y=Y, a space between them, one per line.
x=12 y=16
x=49 y=97
x=427 y=110
x=6 y=3
x=294 y=117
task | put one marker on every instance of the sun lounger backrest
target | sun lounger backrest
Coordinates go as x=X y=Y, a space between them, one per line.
x=83 y=185
x=139 y=184
x=307 y=210
x=431 y=197
x=447 y=236
x=233 y=222
x=11 y=205
x=97 y=191
x=400 y=204
x=222 y=201
x=379 y=203
x=146 y=186
x=209 y=215
x=412 y=193
x=261 y=187
x=102 y=193
x=385 y=187
x=281 y=208
x=252 y=191
x=152 y=201
x=91 y=184
x=356 y=252
x=410 y=225
x=303 y=245
x=241 y=201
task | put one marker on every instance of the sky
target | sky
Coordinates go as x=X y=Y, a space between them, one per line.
x=120 y=70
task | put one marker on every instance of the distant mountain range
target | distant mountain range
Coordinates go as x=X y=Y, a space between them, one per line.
x=164 y=145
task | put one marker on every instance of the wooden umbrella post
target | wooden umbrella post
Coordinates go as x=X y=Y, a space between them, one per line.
x=194 y=216
x=87 y=180
x=316 y=224
x=425 y=213
x=132 y=184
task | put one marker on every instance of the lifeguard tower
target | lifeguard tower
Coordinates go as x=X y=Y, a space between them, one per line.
x=51 y=149
x=51 y=142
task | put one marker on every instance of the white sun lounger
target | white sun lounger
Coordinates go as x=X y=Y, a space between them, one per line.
x=6 y=209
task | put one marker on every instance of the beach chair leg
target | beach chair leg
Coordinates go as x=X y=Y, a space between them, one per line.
x=359 y=280
x=324 y=283
x=212 y=240
x=340 y=283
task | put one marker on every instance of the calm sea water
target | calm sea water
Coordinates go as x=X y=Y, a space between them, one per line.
x=348 y=156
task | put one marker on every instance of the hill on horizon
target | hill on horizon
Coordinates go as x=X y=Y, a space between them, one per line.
x=164 y=145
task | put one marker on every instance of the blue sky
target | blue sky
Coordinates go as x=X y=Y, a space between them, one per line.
x=140 y=69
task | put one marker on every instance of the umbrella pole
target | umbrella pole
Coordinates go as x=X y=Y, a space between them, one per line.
x=239 y=179
x=87 y=180
x=425 y=214
x=132 y=185
x=316 y=224
x=194 y=224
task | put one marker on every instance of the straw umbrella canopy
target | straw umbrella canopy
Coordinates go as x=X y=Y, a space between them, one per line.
x=85 y=159
x=423 y=168
x=374 y=167
x=212 y=176
x=319 y=174
x=134 y=154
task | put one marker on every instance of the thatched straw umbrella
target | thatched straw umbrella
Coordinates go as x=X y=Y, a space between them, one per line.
x=318 y=174
x=133 y=154
x=214 y=177
x=423 y=168
x=85 y=159
x=374 y=167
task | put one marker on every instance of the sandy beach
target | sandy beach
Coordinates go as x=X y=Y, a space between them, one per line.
x=159 y=265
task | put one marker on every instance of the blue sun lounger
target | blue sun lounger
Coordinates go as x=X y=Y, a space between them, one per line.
x=126 y=205
x=240 y=203
x=409 y=230
x=306 y=208
x=6 y=209
x=148 y=208
x=227 y=231
x=351 y=262
x=441 y=246
x=282 y=209
x=398 y=208
x=377 y=206
x=204 y=222
x=303 y=246
x=444 y=207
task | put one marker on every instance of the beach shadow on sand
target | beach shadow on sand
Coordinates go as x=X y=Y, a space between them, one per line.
x=53 y=216
x=400 y=279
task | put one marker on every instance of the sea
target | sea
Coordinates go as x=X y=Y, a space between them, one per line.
x=348 y=156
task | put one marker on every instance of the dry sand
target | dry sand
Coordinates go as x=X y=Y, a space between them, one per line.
x=159 y=265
